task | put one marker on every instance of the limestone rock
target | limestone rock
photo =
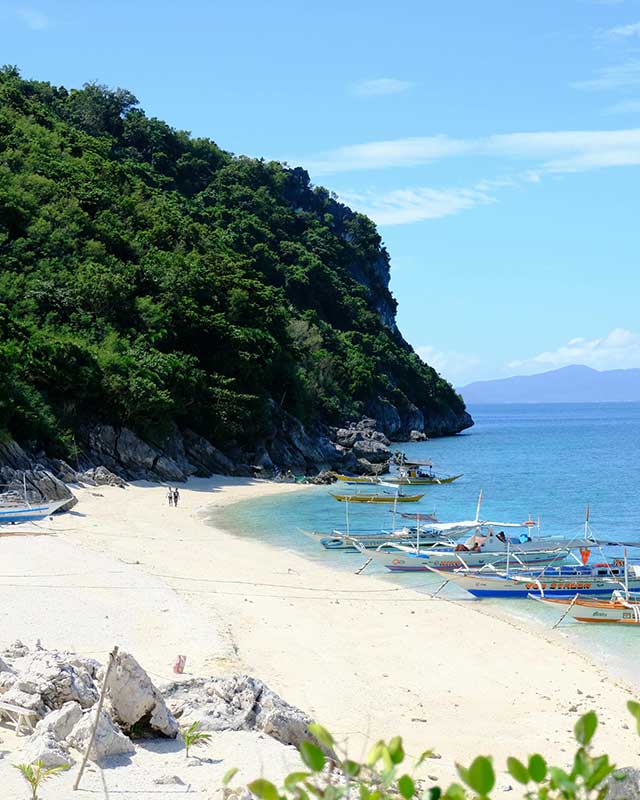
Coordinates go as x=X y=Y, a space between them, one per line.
x=109 y=739
x=43 y=746
x=30 y=700
x=101 y=476
x=7 y=680
x=135 y=699
x=373 y=451
x=239 y=703
x=54 y=679
x=624 y=784
x=59 y=723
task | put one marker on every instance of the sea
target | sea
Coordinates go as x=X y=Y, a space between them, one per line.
x=546 y=462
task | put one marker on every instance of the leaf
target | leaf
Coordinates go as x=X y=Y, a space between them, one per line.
x=518 y=770
x=396 y=751
x=312 y=756
x=294 y=778
x=481 y=777
x=600 y=770
x=455 y=792
x=351 y=768
x=375 y=754
x=537 y=768
x=263 y=789
x=585 y=728
x=435 y=793
x=463 y=772
x=322 y=735
x=229 y=775
x=427 y=754
x=634 y=708
x=406 y=787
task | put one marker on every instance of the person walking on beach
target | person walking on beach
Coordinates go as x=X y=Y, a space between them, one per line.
x=170 y=496
x=176 y=497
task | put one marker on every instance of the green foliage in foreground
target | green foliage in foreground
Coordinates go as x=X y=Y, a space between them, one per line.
x=192 y=736
x=331 y=775
x=36 y=774
x=149 y=278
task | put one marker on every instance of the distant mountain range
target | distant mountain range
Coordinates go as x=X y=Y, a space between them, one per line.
x=574 y=384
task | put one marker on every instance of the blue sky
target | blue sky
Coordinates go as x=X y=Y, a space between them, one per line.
x=497 y=144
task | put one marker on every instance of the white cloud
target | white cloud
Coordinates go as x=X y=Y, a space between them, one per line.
x=33 y=19
x=551 y=151
x=624 y=31
x=390 y=153
x=619 y=349
x=617 y=76
x=403 y=206
x=456 y=367
x=380 y=86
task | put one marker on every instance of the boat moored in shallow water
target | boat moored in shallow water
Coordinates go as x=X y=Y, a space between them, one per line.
x=553 y=581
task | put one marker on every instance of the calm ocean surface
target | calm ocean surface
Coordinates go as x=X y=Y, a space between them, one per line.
x=540 y=460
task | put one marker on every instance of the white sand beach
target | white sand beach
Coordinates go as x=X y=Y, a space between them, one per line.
x=363 y=656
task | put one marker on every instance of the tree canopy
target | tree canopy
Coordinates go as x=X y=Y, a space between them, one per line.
x=149 y=278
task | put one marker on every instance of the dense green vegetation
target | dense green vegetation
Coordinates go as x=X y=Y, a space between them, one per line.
x=150 y=278
x=330 y=773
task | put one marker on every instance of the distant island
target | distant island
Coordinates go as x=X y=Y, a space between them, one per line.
x=573 y=384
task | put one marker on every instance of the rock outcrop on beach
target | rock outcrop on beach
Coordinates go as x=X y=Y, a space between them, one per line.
x=62 y=691
x=239 y=703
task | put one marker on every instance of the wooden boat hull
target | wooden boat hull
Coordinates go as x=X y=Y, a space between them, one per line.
x=12 y=515
x=377 y=498
x=434 y=481
x=614 y=612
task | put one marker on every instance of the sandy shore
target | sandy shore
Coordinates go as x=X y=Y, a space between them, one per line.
x=364 y=657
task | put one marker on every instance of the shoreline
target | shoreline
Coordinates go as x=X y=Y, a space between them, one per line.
x=365 y=657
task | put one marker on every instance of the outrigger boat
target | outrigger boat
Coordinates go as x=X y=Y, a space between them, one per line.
x=622 y=609
x=14 y=512
x=385 y=497
x=490 y=550
x=556 y=582
x=412 y=475
x=356 y=542
x=377 y=498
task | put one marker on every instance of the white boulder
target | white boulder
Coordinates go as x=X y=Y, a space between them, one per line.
x=43 y=746
x=60 y=723
x=109 y=739
x=134 y=699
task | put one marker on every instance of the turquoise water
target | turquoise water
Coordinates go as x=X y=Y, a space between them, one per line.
x=547 y=461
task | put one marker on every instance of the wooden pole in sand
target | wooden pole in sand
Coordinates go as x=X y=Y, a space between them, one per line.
x=112 y=658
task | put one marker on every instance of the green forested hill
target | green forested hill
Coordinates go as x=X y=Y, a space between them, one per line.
x=150 y=279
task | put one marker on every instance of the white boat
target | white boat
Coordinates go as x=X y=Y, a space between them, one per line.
x=555 y=581
x=353 y=541
x=14 y=513
x=623 y=608
x=492 y=550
